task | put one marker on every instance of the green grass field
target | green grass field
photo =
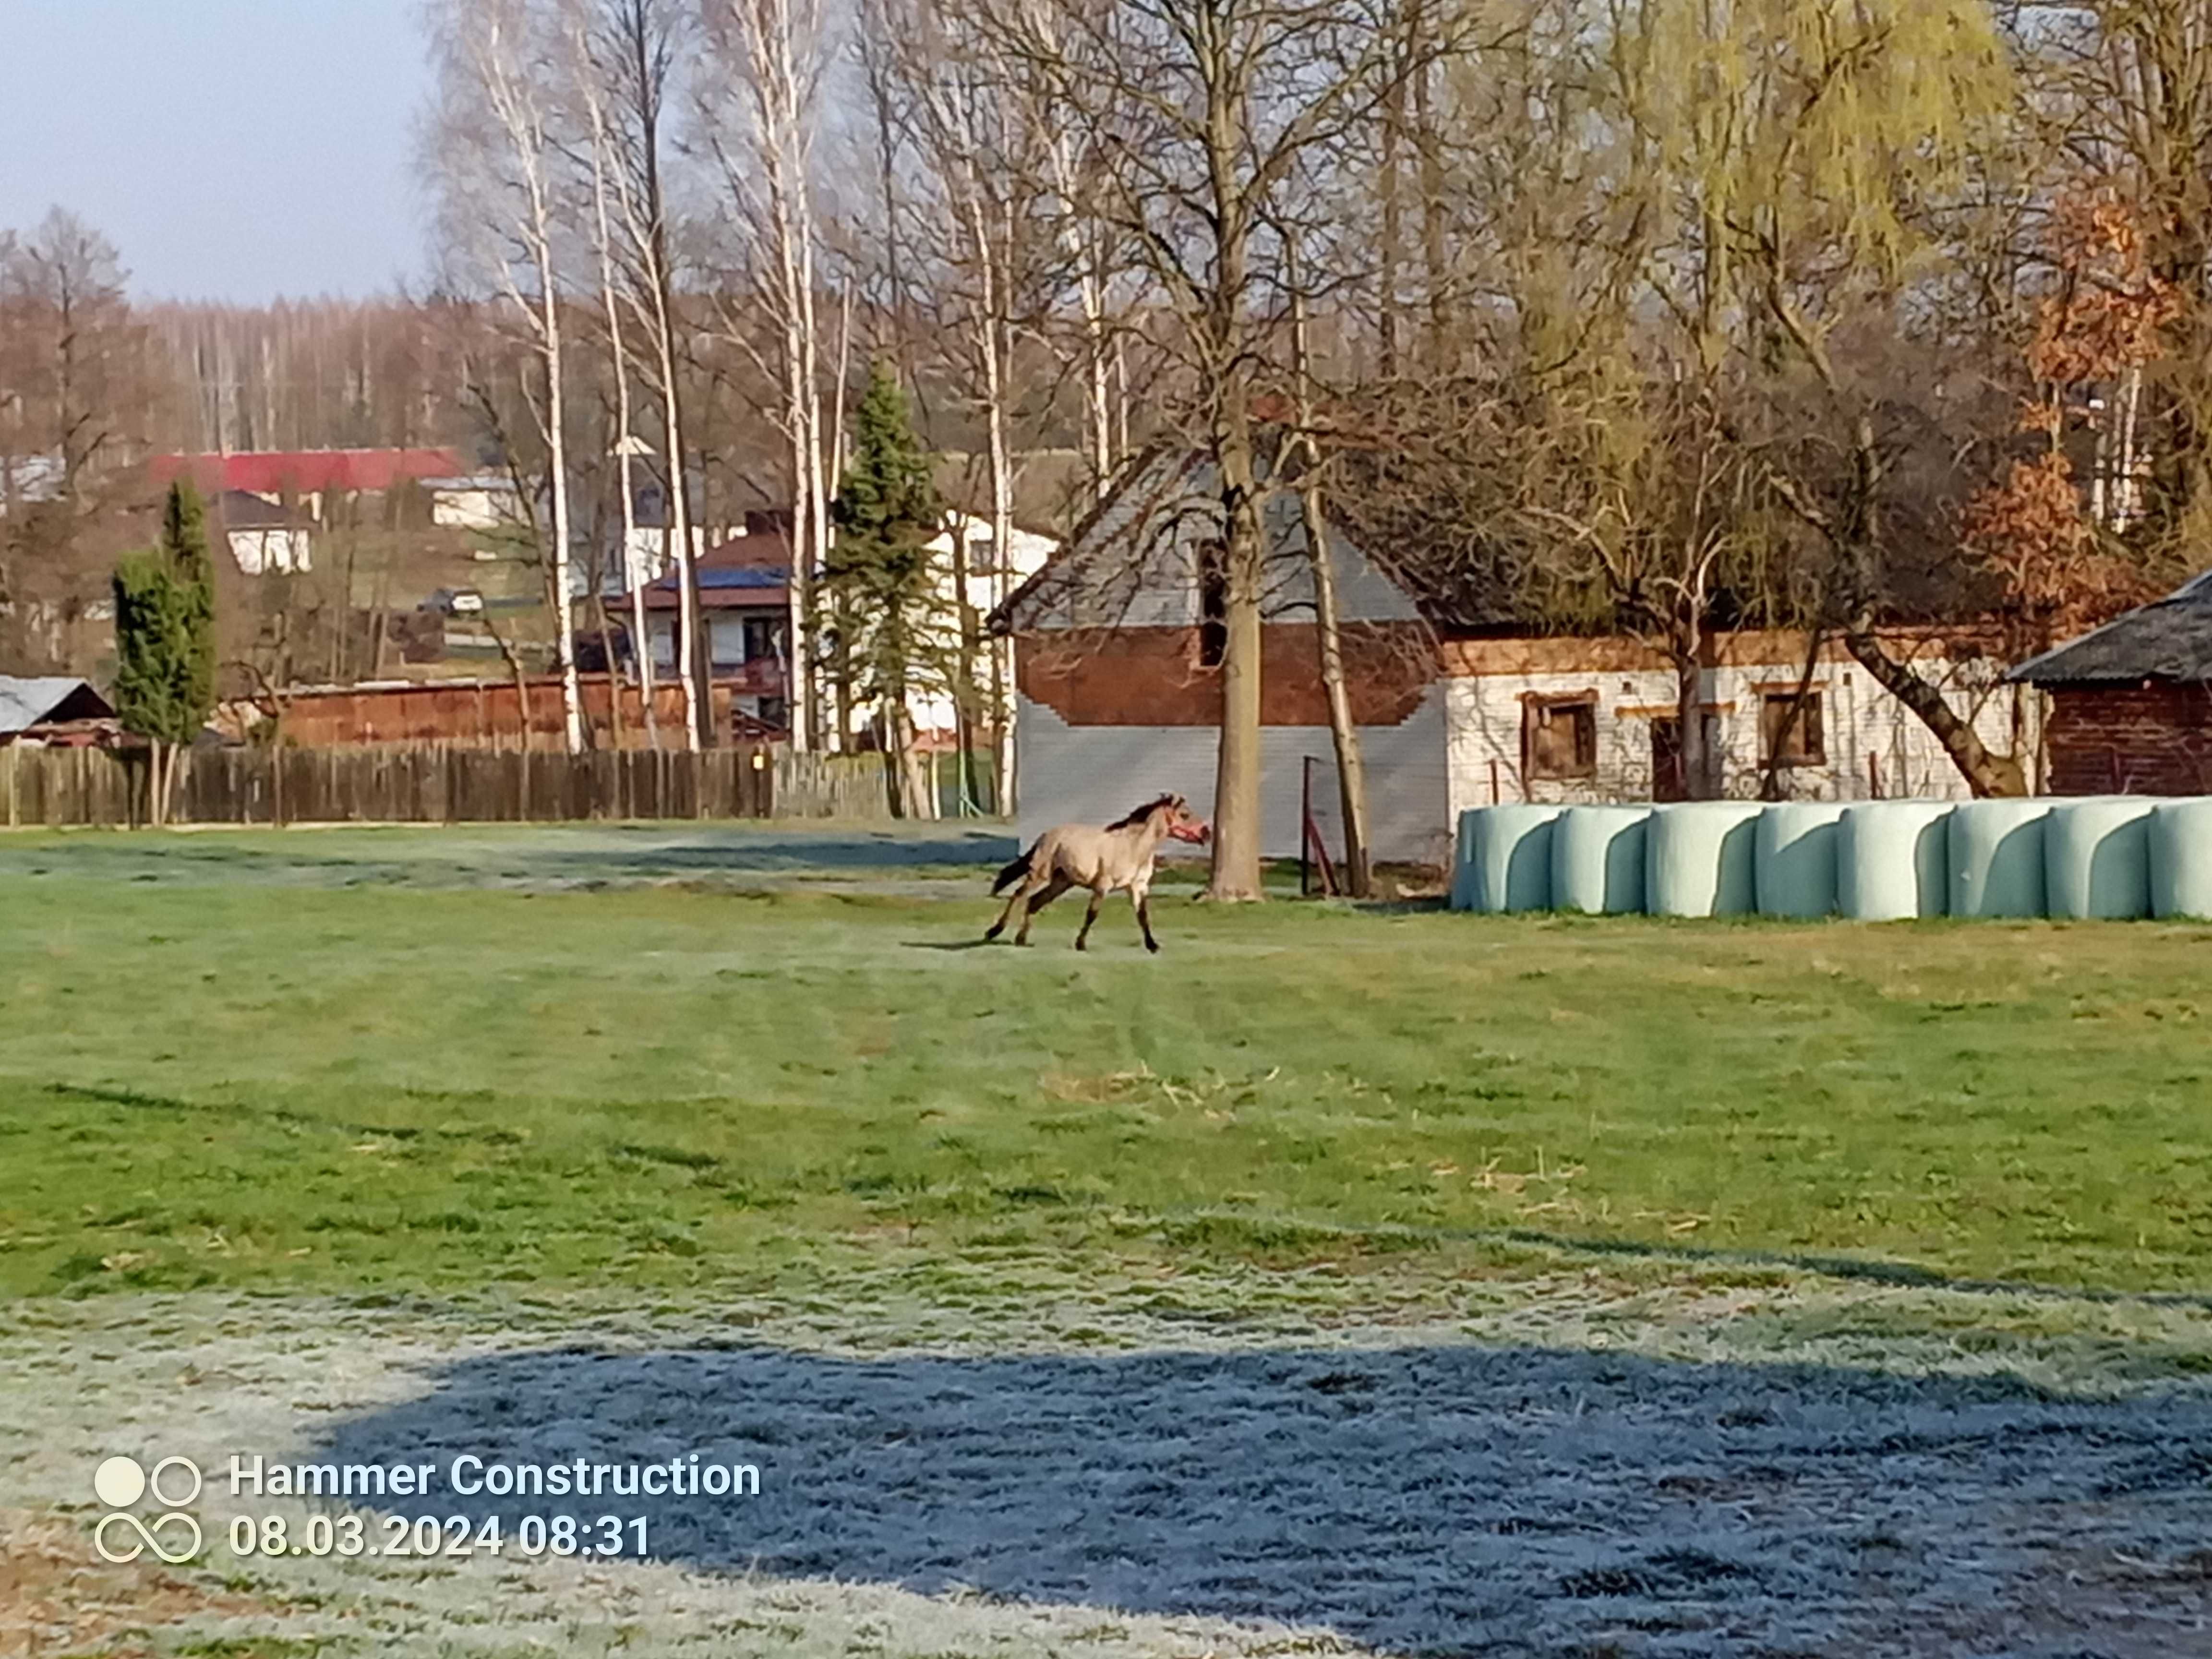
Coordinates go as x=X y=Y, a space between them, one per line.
x=407 y=1062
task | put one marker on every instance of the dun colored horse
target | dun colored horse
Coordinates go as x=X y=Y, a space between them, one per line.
x=1077 y=855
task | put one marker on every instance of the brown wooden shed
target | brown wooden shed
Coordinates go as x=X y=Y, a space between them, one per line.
x=2131 y=702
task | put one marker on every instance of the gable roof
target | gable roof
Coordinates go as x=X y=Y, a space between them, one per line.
x=2169 y=639
x=1136 y=558
x=241 y=509
x=47 y=699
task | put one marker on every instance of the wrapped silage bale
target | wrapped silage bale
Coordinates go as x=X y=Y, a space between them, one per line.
x=1893 y=860
x=1794 y=860
x=2181 y=857
x=1597 y=860
x=1505 y=858
x=2096 y=858
x=1996 y=853
x=1699 y=859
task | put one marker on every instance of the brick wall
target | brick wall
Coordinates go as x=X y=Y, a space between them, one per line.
x=2151 y=739
x=1152 y=676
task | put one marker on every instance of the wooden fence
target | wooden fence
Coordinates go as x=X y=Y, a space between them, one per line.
x=440 y=784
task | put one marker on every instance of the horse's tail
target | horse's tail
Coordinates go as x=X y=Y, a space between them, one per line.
x=1014 y=872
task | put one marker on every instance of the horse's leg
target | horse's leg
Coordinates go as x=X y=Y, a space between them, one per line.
x=1052 y=891
x=1143 y=895
x=1097 y=898
x=1021 y=890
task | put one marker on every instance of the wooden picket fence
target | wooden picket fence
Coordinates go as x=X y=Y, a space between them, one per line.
x=440 y=784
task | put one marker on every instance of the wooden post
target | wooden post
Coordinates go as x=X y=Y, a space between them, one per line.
x=1305 y=817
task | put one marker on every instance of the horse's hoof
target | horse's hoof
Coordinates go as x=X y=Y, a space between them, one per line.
x=1153 y=948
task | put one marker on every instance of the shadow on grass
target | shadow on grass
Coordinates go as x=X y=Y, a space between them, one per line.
x=1419 y=1500
x=1874 y=1269
x=480 y=854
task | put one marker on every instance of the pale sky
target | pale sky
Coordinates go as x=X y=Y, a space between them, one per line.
x=231 y=150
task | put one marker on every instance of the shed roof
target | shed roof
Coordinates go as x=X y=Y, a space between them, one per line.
x=2169 y=639
x=43 y=699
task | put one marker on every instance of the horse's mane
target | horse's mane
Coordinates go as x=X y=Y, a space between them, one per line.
x=1142 y=812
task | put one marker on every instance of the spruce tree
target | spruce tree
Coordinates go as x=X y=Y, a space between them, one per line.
x=165 y=642
x=891 y=612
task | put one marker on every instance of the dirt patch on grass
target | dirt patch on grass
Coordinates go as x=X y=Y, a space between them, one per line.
x=58 y=1596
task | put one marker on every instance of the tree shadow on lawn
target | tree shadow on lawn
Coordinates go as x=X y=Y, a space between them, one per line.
x=1417 y=1500
x=1873 y=1269
x=475 y=855
x=753 y=851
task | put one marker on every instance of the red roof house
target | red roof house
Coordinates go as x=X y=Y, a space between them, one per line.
x=308 y=472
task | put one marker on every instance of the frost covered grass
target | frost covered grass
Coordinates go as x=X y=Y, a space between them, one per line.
x=700 y=1059
x=1563 y=1464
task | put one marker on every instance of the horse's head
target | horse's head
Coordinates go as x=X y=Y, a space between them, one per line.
x=1170 y=814
x=1183 y=825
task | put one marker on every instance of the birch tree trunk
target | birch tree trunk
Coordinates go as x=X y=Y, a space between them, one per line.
x=556 y=444
x=645 y=48
x=776 y=47
x=633 y=579
x=492 y=50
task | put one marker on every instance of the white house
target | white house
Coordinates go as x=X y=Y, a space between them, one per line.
x=479 y=501
x=990 y=578
x=265 y=537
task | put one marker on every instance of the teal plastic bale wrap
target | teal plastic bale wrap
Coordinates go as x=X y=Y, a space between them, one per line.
x=1795 y=858
x=1597 y=860
x=2181 y=857
x=2096 y=858
x=1996 y=853
x=1892 y=859
x=1505 y=858
x=1700 y=859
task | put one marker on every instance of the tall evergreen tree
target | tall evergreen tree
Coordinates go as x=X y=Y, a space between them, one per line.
x=165 y=640
x=893 y=613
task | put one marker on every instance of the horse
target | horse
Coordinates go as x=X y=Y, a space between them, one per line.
x=1120 y=854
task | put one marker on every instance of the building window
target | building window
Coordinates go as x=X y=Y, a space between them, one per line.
x=1787 y=741
x=763 y=638
x=1559 y=737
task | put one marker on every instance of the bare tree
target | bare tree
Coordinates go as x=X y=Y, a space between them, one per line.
x=635 y=46
x=1200 y=114
x=74 y=397
x=612 y=297
x=495 y=154
x=778 y=53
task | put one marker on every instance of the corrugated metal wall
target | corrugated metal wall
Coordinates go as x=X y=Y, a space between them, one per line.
x=1095 y=774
